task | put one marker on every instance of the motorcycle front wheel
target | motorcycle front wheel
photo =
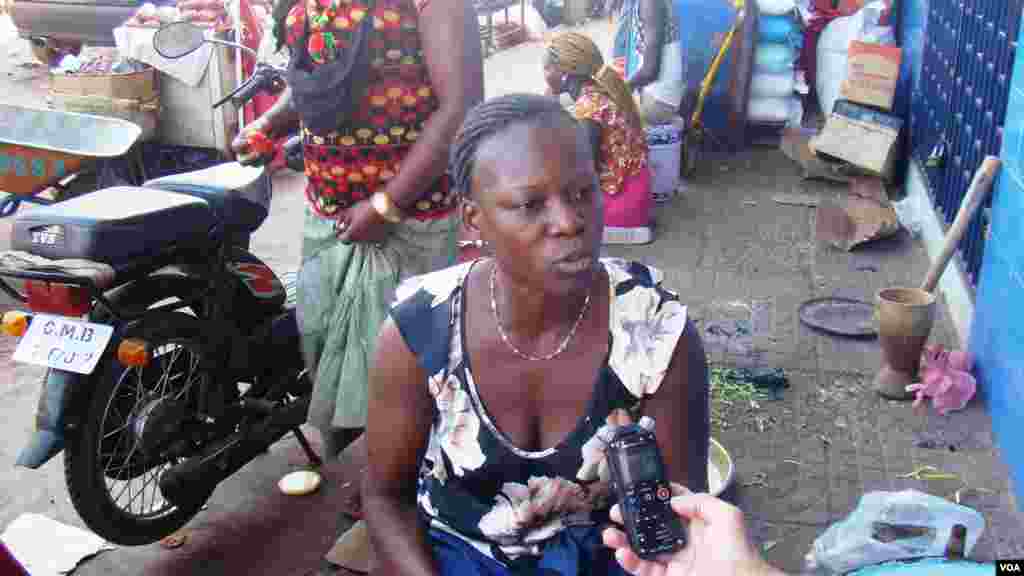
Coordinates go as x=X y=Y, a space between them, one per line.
x=114 y=461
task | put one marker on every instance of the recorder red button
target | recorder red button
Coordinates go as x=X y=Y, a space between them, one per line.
x=663 y=493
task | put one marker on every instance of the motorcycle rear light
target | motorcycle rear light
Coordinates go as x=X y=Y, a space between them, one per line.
x=133 y=352
x=14 y=323
x=61 y=299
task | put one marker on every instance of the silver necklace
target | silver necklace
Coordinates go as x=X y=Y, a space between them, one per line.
x=504 y=337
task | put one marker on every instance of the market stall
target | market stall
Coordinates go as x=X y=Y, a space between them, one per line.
x=181 y=128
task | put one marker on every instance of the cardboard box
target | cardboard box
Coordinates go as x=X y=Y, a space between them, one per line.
x=145 y=114
x=139 y=86
x=861 y=136
x=796 y=144
x=872 y=73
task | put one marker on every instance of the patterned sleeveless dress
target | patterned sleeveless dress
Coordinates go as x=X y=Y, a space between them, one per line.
x=492 y=506
x=347 y=164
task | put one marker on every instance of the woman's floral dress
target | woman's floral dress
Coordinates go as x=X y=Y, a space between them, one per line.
x=623 y=148
x=475 y=484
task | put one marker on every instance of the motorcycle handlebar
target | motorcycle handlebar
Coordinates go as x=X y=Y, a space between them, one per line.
x=264 y=78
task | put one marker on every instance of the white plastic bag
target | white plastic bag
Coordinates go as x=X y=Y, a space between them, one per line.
x=909 y=216
x=767 y=85
x=775 y=111
x=536 y=28
x=773 y=57
x=834 y=44
x=892 y=526
x=775 y=7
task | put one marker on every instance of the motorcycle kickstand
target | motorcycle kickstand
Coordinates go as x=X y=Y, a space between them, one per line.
x=314 y=459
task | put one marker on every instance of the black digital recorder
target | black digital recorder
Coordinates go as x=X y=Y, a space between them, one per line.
x=640 y=483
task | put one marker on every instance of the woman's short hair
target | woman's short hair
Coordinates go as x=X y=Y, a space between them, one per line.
x=490 y=118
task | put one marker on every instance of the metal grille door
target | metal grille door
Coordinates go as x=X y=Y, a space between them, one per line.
x=957 y=112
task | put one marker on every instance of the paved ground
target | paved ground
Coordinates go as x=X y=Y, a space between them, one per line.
x=727 y=247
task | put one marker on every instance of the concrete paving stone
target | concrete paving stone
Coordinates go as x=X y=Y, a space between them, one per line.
x=795 y=342
x=783 y=544
x=1009 y=536
x=704 y=286
x=681 y=281
x=829 y=411
x=841 y=354
x=964 y=430
x=791 y=493
x=744 y=443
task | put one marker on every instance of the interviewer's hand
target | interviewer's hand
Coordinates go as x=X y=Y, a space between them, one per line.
x=717 y=543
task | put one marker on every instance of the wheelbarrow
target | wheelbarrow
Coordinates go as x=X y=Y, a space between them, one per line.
x=42 y=148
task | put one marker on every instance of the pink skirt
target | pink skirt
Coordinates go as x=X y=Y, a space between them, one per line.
x=630 y=208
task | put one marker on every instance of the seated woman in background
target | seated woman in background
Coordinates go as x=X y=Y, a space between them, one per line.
x=573 y=65
x=654 y=57
x=494 y=380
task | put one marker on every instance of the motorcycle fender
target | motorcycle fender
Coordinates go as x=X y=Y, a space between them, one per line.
x=51 y=419
x=57 y=400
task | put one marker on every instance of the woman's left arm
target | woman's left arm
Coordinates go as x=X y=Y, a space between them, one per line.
x=652 y=13
x=450 y=38
x=681 y=413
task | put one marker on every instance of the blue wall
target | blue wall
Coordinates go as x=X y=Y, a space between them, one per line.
x=911 y=21
x=998 y=334
x=997 y=337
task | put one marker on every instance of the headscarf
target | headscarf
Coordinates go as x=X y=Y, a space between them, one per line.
x=575 y=54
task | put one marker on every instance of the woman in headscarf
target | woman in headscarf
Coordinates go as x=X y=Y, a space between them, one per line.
x=604 y=105
x=379 y=89
x=648 y=37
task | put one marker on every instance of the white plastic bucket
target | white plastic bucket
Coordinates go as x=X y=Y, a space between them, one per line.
x=665 y=147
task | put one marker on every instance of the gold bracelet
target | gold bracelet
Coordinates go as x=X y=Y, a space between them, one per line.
x=386 y=207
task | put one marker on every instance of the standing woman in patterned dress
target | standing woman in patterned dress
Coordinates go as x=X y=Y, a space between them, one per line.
x=378 y=89
x=605 y=106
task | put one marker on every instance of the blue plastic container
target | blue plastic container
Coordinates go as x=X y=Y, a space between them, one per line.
x=778 y=29
x=703 y=25
x=774 y=58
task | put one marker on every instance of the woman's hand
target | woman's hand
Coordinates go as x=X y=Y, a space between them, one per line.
x=361 y=223
x=717 y=543
x=252 y=146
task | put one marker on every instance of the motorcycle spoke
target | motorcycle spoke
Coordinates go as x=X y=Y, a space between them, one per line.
x=149 y=477
x=132 y=476
x=124 y=426
x=194 y=376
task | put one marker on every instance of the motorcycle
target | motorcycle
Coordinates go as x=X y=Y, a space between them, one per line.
x=172 y=353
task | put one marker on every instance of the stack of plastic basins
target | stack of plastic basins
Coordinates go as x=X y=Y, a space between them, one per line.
x=773 y=102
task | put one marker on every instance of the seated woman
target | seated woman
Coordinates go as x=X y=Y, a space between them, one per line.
x=603 y=103
x=654 y=57
x=494 y=379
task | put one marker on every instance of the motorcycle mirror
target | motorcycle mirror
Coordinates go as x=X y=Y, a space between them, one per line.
x=178 y=39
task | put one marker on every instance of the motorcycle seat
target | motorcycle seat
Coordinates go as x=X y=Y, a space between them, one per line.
x=116 y=226
x=238 y=195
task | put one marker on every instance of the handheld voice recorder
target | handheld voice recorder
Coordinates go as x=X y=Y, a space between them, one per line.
x=643 y=491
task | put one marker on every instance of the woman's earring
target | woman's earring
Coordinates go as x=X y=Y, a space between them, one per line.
x=472 y=243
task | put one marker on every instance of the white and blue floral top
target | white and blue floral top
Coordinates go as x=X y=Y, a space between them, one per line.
x=474 y=483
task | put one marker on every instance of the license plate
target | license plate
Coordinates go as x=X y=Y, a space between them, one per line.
x=63 y=343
